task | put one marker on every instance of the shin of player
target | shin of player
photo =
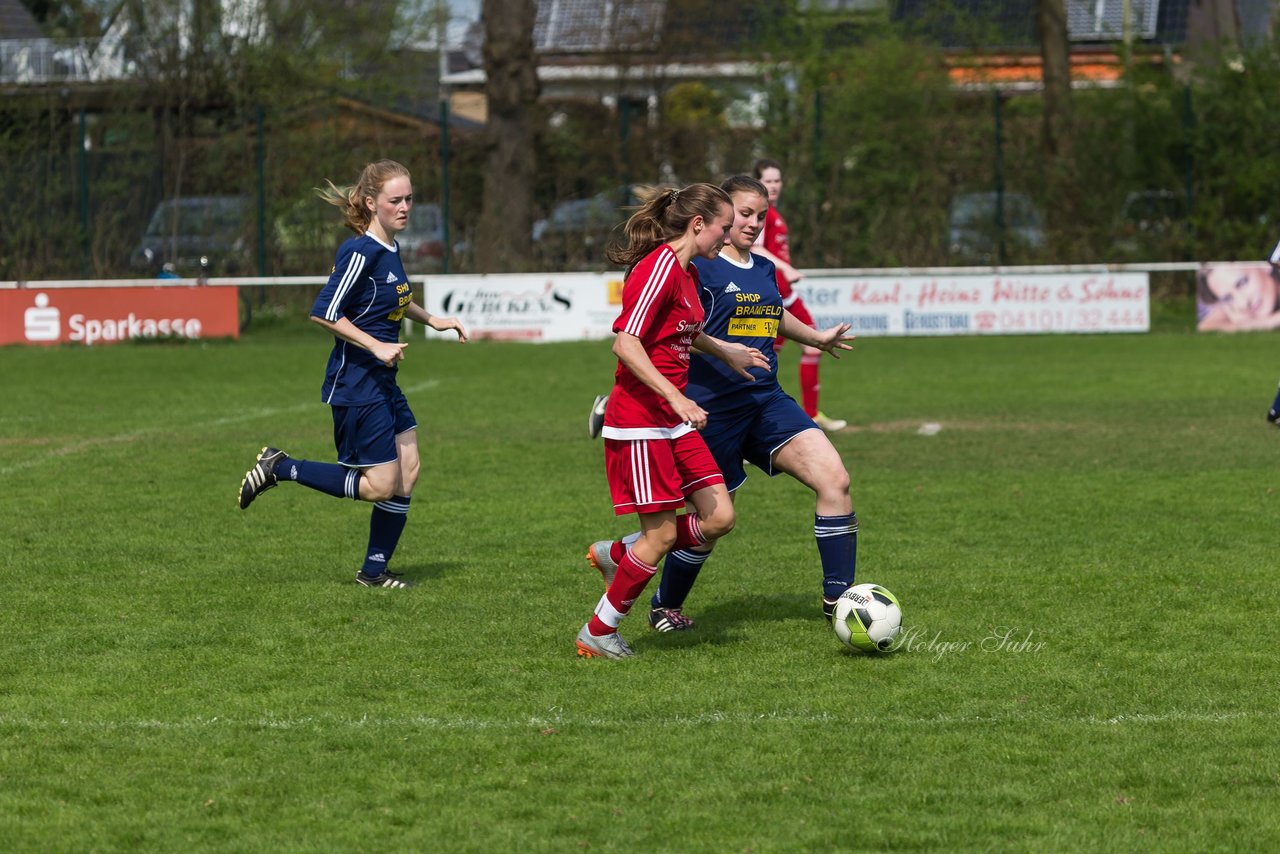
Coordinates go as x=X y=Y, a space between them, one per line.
x=655 y=458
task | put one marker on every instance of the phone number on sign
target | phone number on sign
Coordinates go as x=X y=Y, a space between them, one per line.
x=1061 y=320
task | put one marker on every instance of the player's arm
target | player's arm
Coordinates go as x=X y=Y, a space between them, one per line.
x=789 y=273
x=630 y=351
x=416 y=312
x=387 y=353
x=830 y=340
x=740 y=357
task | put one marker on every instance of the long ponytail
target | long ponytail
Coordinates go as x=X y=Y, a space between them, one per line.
x=350 y=200
x=664 y=216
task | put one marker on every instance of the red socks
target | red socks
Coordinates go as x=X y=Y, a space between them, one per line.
x=629 y=582
x=688 y=535
x=809 y=383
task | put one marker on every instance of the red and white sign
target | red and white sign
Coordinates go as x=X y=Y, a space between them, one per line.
x=580 y=306
x=32 y=315
x=980 y=304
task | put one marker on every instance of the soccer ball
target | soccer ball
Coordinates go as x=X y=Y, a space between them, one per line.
x=867 y=618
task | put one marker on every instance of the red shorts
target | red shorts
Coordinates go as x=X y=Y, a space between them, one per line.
x=652 y=475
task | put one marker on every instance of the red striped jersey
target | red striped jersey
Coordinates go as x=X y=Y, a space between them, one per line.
x=660 y=306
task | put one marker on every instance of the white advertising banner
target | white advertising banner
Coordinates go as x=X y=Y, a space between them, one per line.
x=583 y=306
x=529 y=307
x=980 y=304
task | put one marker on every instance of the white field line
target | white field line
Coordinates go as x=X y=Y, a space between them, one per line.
x=554 y=720
x=87 y=445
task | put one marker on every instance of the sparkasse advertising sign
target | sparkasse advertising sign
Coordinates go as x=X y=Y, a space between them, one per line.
x=94 y=316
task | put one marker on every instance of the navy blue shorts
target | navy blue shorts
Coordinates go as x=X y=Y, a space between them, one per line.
x=366 y=435
x=753 y=430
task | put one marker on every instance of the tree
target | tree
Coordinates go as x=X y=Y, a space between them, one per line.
x=511 y=86
x=1055 y=54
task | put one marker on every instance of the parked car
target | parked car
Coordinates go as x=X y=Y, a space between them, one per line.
x=974 y=233
x=308 y=232
x=1153 y=225
x=576 y=232
x=197 y=234
x=422 y=243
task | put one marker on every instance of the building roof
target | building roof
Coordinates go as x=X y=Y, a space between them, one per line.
x=16 y=22
x=1012 y=24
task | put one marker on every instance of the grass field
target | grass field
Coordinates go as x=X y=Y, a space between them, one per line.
x=1085 y=553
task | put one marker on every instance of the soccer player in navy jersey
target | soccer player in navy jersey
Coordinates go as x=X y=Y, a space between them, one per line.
x=755 y=420
x=655 y=458
x=362 y=306
x=774 y=243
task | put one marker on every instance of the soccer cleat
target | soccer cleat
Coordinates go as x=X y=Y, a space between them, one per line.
x=595 y=421
x=262 y=476
x=598 y=556
x=384 y=579
x=1273 y=417
x=669 y=620
x=605 y=646
x=829 y=607
x=829 y=424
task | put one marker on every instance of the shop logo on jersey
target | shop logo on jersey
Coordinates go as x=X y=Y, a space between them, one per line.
x=731 y=288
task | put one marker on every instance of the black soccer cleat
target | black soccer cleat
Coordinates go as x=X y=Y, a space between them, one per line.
x=262 y=476
x=1273 y=417
x=669 y=620
x=828 y=608
x=384 y=579
x=595 y=420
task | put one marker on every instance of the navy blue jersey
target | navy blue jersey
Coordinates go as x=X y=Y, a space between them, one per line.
x=368 y=286
x=743 y=306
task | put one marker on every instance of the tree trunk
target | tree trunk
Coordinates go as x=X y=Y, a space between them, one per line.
x=1055 y=55
x=503 y=241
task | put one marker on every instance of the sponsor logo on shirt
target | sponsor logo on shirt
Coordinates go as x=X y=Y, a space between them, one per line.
x=732 y=288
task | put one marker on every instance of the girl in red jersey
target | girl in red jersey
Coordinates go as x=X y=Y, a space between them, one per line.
x=773 y=244
x=654 y=457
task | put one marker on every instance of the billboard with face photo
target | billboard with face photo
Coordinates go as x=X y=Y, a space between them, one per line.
x=1238 y=297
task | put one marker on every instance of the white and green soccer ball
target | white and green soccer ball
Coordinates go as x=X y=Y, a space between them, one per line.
x=867 y=618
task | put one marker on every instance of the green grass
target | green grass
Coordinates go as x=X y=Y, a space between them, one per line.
x=179 y=675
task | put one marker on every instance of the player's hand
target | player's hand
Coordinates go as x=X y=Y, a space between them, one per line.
x=440 y=324
x=834 y=340
x=740 y=357
x=689 y=412
x=387 y=353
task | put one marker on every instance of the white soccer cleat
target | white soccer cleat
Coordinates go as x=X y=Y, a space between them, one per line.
x=829 y=424
x=599 y=557
x=595 y=421
x=605 y=646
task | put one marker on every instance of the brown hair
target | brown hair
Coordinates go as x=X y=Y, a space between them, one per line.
x=351 y=199
x=765 y=163
x=744 y=184
x=665 y=215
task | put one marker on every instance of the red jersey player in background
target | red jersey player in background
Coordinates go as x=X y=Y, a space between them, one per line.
x=654 y=457
x=774 y=245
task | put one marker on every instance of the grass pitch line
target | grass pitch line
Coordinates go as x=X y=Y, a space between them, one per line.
x=79 y=448
x=710 y=719
x=87 y=445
